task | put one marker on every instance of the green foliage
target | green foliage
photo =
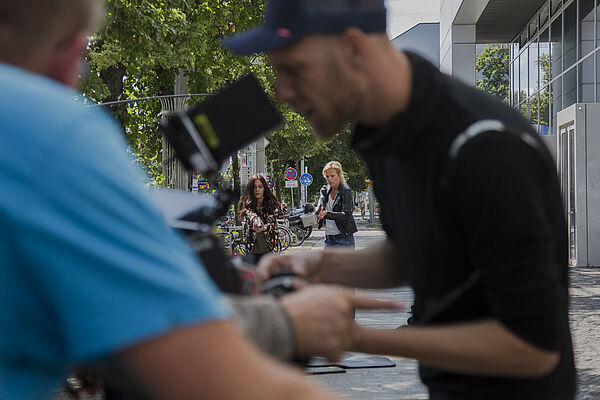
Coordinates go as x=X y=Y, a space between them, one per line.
x=493 y=63
x=537 y=110
x=144 y=44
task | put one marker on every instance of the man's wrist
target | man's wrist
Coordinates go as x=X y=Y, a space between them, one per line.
x=320 y=267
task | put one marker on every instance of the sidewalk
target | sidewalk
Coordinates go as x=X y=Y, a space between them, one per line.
x=585 y=328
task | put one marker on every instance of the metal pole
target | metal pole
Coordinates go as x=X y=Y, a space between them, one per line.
x=302 y=187
x=261 y=167
x=371 y=205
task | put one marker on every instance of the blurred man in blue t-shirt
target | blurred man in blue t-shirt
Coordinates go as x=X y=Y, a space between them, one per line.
x=89 y=270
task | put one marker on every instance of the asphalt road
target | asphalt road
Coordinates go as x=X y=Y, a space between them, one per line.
x=402 y=381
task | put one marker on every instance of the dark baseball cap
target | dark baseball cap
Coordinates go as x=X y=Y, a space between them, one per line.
x=287 y=21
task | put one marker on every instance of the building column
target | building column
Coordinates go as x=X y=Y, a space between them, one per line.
x=259 y=159
x=458 y=37
x=459 y=57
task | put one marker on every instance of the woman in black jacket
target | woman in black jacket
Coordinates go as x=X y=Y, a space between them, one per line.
x=335 y=208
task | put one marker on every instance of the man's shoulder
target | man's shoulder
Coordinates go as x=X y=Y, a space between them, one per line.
x=476 y=105
x=36 y=105
x=20 y=86
x=44 y=118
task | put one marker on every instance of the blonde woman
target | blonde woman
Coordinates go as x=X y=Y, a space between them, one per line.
x=335 y=207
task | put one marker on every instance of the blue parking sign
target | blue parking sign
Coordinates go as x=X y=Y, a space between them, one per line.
x=306 y=179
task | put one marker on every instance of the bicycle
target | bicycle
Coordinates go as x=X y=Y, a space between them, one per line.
x=284 y=238
x=233 y=237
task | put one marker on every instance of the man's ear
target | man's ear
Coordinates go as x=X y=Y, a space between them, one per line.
x=63 y=62
x=354 y=46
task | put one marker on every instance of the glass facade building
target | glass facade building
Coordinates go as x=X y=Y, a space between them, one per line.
x=554 y=61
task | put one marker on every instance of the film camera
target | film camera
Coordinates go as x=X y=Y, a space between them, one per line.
x=203 y=138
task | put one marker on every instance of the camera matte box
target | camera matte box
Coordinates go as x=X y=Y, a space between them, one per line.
x=213 y=129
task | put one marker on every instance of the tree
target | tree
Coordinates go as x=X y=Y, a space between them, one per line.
x=493 y=64
x=144 y=44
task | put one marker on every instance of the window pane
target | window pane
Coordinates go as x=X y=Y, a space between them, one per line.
x=544 y=15
x=524 y=85
x=533 y=28
x=570 y=38
x=516 y=95
x=556 y=39
x=533 y=68
x=586 y=80
x=515 y=51
x=557 y=96
x=544 y=110
x=598 y=76
x=570 y=88
x=586 y=27
x=544 y=59
x=511 y=79
x=533 y=111
x=555 y=5
x=597 y=24
x=551 y=111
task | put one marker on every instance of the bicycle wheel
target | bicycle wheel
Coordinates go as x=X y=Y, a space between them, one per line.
x=285 y=238
x=307 y=231
x=300 y=235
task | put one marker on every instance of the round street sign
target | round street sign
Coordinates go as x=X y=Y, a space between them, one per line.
x=306 y=179
x=270 y=181
x=290 y=174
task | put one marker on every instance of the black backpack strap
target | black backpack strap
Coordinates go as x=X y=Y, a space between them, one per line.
x=475 y=130
x=438 y=304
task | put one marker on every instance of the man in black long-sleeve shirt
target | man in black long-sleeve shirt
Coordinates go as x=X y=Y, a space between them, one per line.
x=469 y=196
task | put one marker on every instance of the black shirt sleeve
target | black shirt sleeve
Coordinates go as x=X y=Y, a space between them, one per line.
x=502 y=190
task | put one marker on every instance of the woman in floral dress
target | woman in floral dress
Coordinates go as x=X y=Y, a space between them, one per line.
x=258 y=210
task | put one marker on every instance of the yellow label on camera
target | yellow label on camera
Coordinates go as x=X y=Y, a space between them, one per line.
x=207 y=131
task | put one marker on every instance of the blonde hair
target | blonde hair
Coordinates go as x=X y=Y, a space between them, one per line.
x=338 y=168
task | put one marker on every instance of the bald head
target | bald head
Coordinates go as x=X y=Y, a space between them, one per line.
x=33 y=31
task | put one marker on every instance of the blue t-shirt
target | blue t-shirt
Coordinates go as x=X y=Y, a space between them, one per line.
x=87 y=264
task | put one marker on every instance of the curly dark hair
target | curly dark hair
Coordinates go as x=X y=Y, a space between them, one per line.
x=248 y=201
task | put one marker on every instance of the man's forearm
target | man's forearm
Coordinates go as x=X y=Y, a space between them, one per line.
x=485 y=348
x=375 y=267
x=212 y=361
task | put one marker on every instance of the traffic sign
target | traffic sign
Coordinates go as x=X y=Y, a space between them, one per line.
x=306 y=179
x=270 y=181
x=203 y=184
x=290 y=174
x=291 y=184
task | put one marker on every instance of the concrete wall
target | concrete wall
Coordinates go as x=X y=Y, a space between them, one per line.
x=448 y=11
x=422 y=38
x=592 y=154
x=458 y=37
x=586 y=119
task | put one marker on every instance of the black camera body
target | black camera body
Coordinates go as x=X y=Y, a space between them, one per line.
x=212 y=130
